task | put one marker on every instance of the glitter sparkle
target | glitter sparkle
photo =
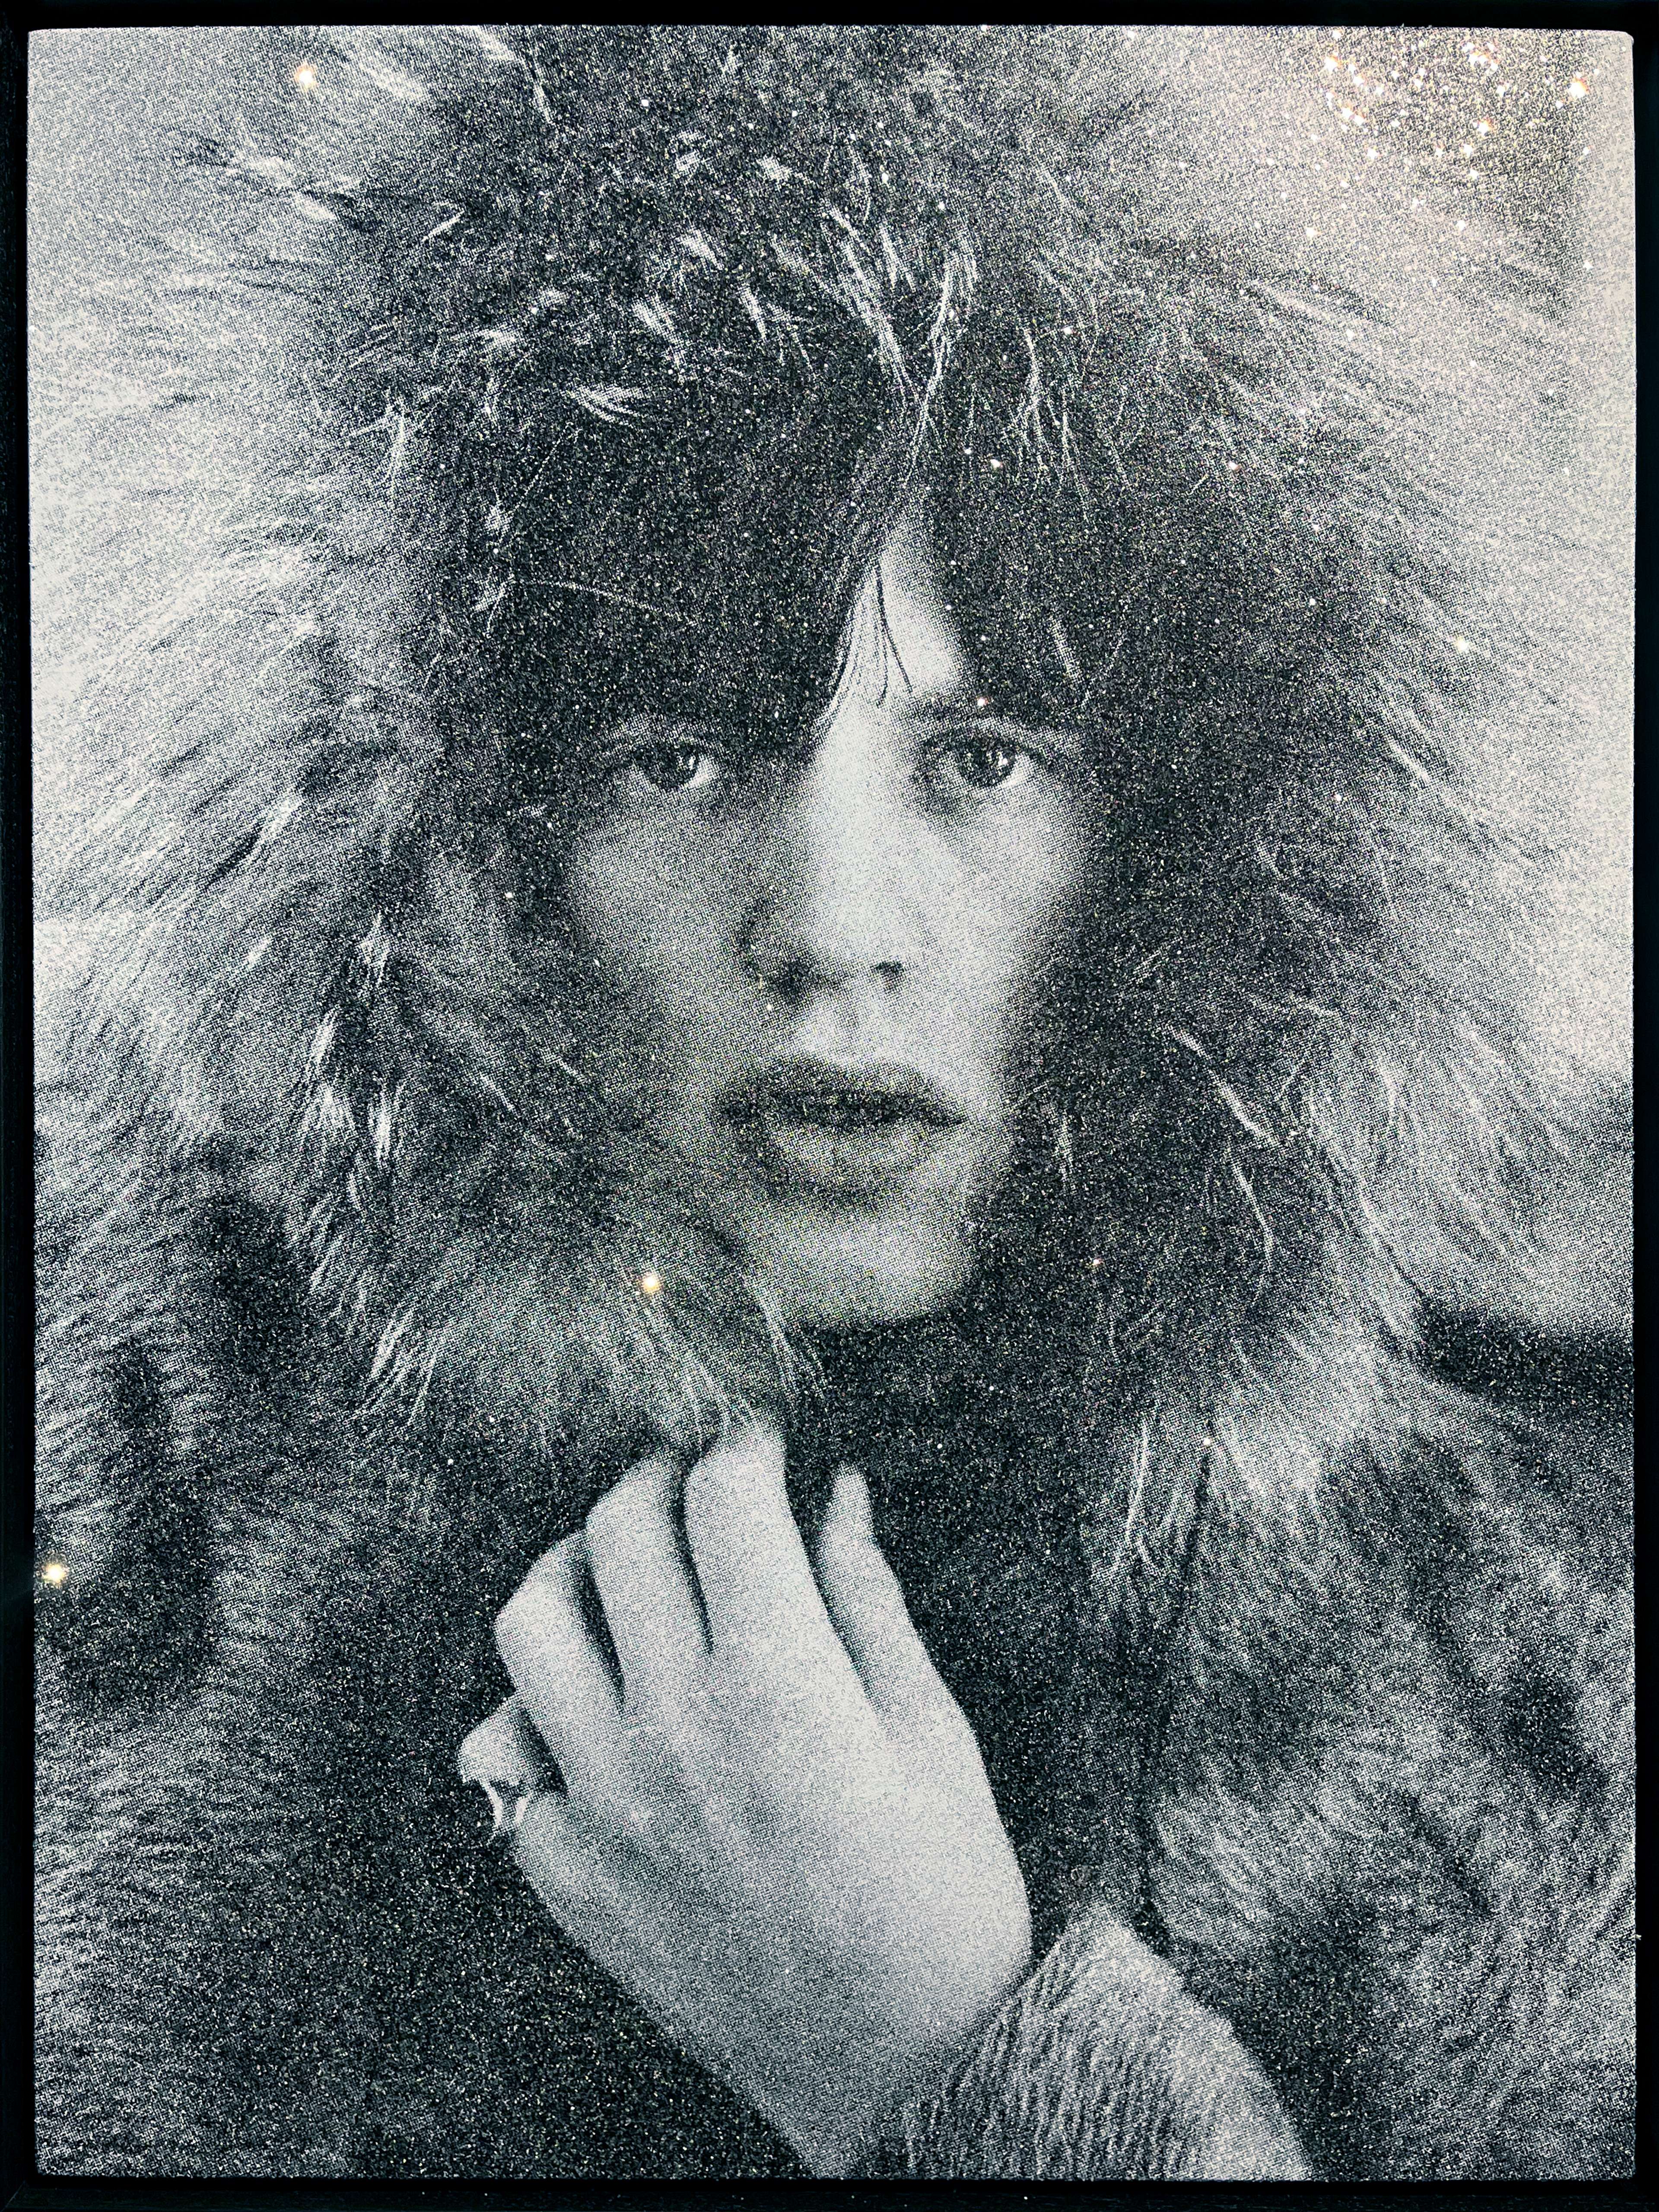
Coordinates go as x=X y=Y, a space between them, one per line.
x=1422 y=102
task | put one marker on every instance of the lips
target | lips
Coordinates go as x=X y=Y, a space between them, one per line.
x=846 y=1131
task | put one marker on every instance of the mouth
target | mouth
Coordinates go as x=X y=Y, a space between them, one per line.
x=843 y=1130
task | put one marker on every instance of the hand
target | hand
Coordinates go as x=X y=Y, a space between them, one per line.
x=776 y=1829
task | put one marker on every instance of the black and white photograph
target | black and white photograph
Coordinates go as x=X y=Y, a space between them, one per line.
x=832 y=874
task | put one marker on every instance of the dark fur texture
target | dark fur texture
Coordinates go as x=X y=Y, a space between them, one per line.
x=1311 y=1679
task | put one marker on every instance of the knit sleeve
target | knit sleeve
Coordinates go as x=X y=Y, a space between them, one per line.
x=1100 y=2067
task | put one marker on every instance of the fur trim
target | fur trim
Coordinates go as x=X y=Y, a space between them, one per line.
x=1163 y=2094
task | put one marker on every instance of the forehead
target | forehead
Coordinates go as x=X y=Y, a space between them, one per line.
x=903 y=637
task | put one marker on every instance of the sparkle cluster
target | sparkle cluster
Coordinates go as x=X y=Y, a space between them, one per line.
x=1469 y=122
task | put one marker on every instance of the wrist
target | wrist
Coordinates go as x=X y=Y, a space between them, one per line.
x=841 y=2147
x=836 y=2135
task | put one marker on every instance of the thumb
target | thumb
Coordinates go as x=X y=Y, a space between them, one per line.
x=868 y=1607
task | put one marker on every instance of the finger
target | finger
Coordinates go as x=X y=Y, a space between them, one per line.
x=868 y=1607
x=549 y=1647
x=566 y=1859
x=585 y=1878
x=757 y=1582
x=643 y=1575
x=506 y=1749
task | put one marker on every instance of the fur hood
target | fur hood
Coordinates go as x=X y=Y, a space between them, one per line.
x=457 y=327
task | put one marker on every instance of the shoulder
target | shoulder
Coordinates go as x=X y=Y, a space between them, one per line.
x=1397 y=1798
x=1501 y=1533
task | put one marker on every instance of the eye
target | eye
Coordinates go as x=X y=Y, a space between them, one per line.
x=675 y=767
x=964 y=756
x=988 y=760
x=669 y=762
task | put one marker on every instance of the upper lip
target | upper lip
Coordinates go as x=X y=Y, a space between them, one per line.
x=807 y=1087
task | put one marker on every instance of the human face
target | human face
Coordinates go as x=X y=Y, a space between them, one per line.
x=817 y=970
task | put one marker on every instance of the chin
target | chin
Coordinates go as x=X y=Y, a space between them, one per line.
x=858 y=1270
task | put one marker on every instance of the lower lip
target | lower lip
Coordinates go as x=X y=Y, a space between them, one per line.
x=838 y=1161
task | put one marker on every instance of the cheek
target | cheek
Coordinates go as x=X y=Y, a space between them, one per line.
x=1020 y=909
x=656 y=934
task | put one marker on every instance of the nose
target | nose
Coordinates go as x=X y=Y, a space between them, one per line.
x=836 y=910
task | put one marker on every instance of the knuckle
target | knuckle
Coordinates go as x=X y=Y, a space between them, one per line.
x=548 y=1581
x=609 y=1512
x=747 y=1701
x=559 y=1854
x=647 y=1804
x=662 y=1755
x=644 y=1489
x=485 y=1749
x=512 y=1625
x=628 y=1805
x=637 y=1816
x=559 y=1569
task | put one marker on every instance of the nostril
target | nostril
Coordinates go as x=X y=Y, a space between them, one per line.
x=792 y=979
x=800 y=946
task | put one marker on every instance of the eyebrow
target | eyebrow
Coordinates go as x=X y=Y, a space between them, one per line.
x=953 y=698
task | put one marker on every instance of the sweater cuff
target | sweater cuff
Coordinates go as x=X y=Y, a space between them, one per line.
x=1100 y=2067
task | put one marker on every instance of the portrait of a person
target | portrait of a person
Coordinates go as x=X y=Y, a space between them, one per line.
x=806 y=812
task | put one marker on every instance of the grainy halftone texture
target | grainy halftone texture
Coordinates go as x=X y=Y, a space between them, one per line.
x=379 y=374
